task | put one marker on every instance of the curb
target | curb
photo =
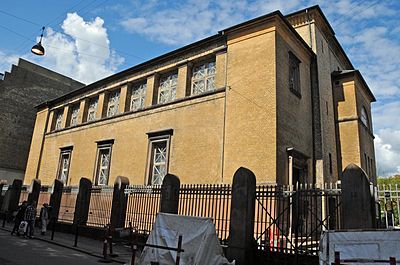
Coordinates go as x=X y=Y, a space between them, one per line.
x=69 y=247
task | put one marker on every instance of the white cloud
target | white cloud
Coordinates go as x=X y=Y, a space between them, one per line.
x=6 y=61
x=81 y=52
x=387 y=150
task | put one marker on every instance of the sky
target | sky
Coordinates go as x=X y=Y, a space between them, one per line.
x=91 y=39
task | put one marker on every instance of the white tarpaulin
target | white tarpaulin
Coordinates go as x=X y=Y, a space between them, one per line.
x=199 y=241
x=365 y=245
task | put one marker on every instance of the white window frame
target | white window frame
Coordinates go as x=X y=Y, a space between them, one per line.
x=74 y=115
x=113 y=103
x=138 y=95
x=92 y=109
x=100 y=168
x=167 y=88
x=152 y=163
x=203 y=77
x=64 y=165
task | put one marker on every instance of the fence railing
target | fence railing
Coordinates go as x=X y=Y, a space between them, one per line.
x=143 y=204
x=100 y=206
x=389 y=199
x=67 y=205
x=44 y=197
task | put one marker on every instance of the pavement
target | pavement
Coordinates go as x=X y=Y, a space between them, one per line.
x=20 y=250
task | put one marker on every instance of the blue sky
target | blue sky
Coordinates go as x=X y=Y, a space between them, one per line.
x=91 y=39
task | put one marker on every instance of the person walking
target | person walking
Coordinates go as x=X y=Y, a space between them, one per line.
x=44 y=218
x=30 y=216
x=19 y=217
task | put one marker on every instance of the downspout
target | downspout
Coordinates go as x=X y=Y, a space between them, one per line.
x=224 y=116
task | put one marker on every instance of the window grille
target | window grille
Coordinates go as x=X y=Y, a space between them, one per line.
x=74 y=115
x=158 y=160
x=58 y=120
x=203 y=78
x=92 y=109
x=113 y=103
x=138 y=94
x=294 y=74
x=64 y=164
x=167 y=88
x=103 y=164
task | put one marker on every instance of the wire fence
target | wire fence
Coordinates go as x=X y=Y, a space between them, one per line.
x=100 y=206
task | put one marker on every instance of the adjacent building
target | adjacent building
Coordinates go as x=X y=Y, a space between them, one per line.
x=21 y=89
x=276 y=94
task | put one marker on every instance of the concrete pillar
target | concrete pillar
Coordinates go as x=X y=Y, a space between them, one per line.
x=241 y=245
x=55 y=198
x=170 y=194
x=357 y=208
x=183 y=84
x=220 y=65
x=11 y=198
x=101 y=106
x=82 y=202
x=151 y=91
x=123 y=96
x=50 y=122
x=82 y=109
x=119 y=202
x=33 y=195
x=65 y=117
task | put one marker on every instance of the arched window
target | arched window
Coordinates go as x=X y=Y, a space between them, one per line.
x=364 y=117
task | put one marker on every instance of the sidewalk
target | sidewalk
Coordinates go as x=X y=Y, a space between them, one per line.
x=85 y=245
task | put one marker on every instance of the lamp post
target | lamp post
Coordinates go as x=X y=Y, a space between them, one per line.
x=38 y=49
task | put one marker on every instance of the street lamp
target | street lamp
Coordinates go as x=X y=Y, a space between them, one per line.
x=38 y=49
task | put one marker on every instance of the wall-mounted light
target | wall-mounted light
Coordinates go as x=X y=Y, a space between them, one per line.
x=38 y=49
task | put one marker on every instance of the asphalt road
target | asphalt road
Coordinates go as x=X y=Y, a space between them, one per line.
x=20 y=251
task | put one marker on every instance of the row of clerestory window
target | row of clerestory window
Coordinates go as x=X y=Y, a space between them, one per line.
x=202 y=80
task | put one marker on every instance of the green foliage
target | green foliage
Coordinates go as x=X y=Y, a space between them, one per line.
x=390 y=180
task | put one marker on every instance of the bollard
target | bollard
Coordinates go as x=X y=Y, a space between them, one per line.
x=76 y=235
x=105 y=258
x=53 y=228
x=110 y=242
x=134 y=248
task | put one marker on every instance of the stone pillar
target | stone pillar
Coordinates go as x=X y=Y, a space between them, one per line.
x=151 y=91
x=101 y=106
x=82 y=202
x=11 y=198
x=182 y=86
x=35 y=191
x=123 y=95
x=119 y=202
x=220 y=65
x=82 y=110
x=170 y=194
x=55 y=198
x=50 y=122
x=65 y=117
x=357 y=209
x=241 y=243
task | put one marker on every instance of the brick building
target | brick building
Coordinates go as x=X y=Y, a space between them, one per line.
x=276 y=94
x=23 y=88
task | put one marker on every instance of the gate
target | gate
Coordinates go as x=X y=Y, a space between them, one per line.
x=389 y=204
x=289 y=221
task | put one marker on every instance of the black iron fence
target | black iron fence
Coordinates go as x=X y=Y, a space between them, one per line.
x=100 y=206
x=67 y=205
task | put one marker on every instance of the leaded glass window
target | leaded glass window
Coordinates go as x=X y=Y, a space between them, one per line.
x=167 y=88
x=58 y=119
x=64 y=163
x=74 y=115
x=113 y=103
x=203 y=78
x=92 y=109
x=103 y=165
x=138 y=95
x=159 y=161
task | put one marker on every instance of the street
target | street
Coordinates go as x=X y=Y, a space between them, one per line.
x=21 y=251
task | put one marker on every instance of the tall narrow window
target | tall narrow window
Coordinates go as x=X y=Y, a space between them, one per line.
x=113 y=103
x=74 y=115
x=138 y=94
x=103 y=162
x=330 y=164
x=63 y=165
x=58 y=118
x=92 y=109
x=203 y=78
x=294 y=74
x=167 y=88
x=364 y=117
x=159 y=144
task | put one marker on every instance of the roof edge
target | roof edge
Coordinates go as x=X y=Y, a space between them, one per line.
x=343 y=74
